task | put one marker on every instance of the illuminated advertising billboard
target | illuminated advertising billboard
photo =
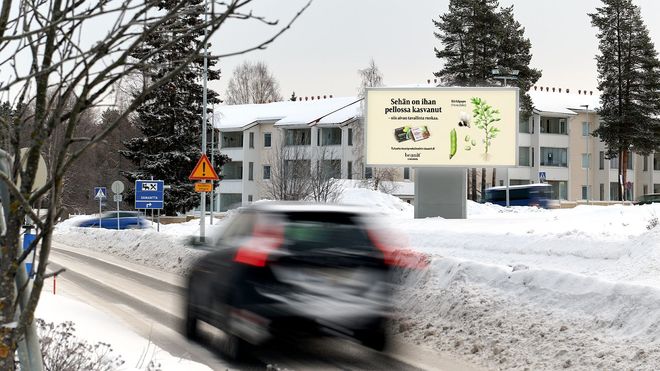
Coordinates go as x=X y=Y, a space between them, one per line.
x=467 y=127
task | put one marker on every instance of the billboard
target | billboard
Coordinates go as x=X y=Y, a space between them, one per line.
x=466 y=127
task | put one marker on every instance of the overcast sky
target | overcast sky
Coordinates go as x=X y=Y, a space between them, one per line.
x=334 y=38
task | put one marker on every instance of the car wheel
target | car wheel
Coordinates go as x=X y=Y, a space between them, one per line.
x=233 y=348
x=374 y=336
x=191 y=320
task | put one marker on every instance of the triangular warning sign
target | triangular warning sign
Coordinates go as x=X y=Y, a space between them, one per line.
x=203 y=170
x=100 y=194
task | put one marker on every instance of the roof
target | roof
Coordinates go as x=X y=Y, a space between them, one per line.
x=323 y=111
x=563 y=103
x=302 y=206
x=519 y=186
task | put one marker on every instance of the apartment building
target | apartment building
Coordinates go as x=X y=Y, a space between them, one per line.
x=555 y=146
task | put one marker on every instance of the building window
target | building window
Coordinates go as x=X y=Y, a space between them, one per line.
x=553 y=125
x=656 y=188
x=406 y=173
x=554 y=157
x=614 y=162
x=614 y=191
x=251 y=140
x=250 y=170
x=646 y=164
x=298 y=137
x=601 y=160
x=232 y=170
x=645 y=189
x=533 y=157
x=267 y=139
x=656 y=161
x=585 y=192
x=331 y=169
x=349 y=170
x=232 y=139
x=601 y=192
x=586 y=160
x=559 y=189
x=330 y=136
x=249 y=198
x=266 y=172
x=523 y=126
x=350 y=136
x=368 y=173
x=523 y=156
x=585 y=129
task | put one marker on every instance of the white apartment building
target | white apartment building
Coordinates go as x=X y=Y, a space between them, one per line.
x=554 y=143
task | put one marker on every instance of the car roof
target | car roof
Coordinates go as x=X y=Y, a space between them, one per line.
x=298 y=206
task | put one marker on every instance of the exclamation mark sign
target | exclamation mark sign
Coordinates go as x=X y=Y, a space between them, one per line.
x=203 y=168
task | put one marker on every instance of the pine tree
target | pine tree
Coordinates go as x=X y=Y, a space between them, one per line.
x=478 y=36
x=629 y=82
x=171 y=117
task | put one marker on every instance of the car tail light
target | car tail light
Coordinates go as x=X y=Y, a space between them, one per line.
x=394 y=252
x=265 y=239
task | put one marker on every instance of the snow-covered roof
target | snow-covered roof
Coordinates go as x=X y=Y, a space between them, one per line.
x=563 y=103
x=323 y=111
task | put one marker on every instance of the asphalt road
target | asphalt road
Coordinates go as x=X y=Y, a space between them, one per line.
x=151 y=303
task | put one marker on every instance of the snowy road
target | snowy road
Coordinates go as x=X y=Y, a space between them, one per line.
x=152 y=308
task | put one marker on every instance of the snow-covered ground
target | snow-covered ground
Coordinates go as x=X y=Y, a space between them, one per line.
x=517 y=288
x=93 y=326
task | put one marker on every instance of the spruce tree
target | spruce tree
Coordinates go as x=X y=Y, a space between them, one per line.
x=170 y=119
x=629 y=82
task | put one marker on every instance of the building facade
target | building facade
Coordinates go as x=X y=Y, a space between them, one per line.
x=555 y=146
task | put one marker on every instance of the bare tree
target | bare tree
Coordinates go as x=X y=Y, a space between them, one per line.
x=252 y=83
x=45 y=61
x=382 y=179
x=290 y=169
x=369 y=77
x=325 y=180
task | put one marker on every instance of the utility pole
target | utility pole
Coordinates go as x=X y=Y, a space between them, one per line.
x=202 y=218
x=212 y=206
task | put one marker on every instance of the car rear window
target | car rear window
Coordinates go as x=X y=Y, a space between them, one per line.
x=308 y=231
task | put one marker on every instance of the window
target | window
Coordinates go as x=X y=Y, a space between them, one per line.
x=330 y=136
x=249 y=198
x=250 y=170
x=586 y=160
x=614 y=162
x=559 y=189
x=656 y=188
x=232 y=139
x=298 y=137
x=646 y=164
x=297 y=168
x=550 y=125
x=232 y=170
x=251 y=140
x=266 y=172
x=645 y=189
x=614 y=191
x=267 y=139
x=601 y=192
x=585 y=129
x=533 y=156
x=601 y=160
x=350 y=136
x=368 y=173
x=406 y=173
x=656 y=161
x=554 y=157
x=331 y=169
x=523 y=156
x=349 y=170
x=585 y=192
x=523 y=126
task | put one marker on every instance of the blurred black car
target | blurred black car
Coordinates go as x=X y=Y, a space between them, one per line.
x=285 y=269
x=648 y=199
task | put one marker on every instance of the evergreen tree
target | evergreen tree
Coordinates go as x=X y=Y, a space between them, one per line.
x=478 y=36
x=629 y=82
x=171 y=117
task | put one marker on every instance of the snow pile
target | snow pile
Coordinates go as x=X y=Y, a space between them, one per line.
x=377 y=201
x=94 y=326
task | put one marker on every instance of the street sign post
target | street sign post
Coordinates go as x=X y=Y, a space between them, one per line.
x=203 y=171
x=149 y=194
x=203 y=187
x=117 y=188
x=100 y=193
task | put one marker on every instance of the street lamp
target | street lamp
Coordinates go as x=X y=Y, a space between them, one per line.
x=586 y=142
x=505 y=74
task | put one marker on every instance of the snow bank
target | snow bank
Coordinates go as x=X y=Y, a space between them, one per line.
x=377 y=201
x=94 y=326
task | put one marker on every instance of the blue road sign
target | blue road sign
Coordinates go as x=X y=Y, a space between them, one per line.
x=100 y=193
x=542 y=176
x=149 y=194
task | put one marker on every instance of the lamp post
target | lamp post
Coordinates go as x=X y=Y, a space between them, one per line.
x=505 y=75
x=586 y=143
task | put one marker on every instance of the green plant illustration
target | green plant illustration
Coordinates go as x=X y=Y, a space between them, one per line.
x=485 y=119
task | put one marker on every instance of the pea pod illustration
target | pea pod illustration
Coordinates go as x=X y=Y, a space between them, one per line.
x=452 y=143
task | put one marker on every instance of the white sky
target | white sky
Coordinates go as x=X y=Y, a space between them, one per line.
x=334 y=38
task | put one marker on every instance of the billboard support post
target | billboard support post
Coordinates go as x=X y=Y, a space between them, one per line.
x=449 y=185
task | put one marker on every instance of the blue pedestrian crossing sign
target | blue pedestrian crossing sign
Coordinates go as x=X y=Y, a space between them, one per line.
x=149 y=194
x=100 y=193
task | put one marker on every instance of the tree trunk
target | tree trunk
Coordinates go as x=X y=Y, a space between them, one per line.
x=494 y=179
x=474 y=184
x=621 y=175
x=483 y=182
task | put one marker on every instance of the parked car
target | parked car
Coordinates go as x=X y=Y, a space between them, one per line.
x=127 y=220
x=648 y=199
x=291 y=269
